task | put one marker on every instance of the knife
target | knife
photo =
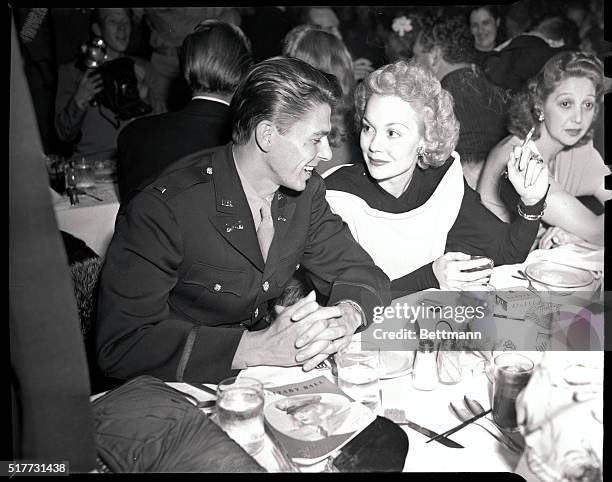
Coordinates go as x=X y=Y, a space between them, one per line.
x=398 y=417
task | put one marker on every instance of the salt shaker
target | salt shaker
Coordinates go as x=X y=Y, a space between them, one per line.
x=424 y=370
x=448 y=362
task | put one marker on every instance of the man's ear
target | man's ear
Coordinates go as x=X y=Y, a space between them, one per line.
x=264 y=135
x=95 y=28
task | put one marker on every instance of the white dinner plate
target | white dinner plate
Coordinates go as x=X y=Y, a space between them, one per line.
x=395 y=363
x=558 y=275
x=308 y=417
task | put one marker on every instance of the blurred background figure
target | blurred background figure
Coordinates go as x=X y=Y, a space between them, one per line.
x=403 y=33
x=561 y=102
x=325 y=51
x=214 y=58
x=364 y=34
x=168 y=27
x=266 y=27
x=518 y=18
x=485 y=24
x=93 y=130
x=518 y=59
x=322 y=17
x=446 y=47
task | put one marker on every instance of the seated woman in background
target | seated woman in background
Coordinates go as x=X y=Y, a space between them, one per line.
x=327 y=52
x=409 y=204
x=561 y=102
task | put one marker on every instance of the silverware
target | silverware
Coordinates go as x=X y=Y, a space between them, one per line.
x=474 y=407
x=198 y=403
x=459 y=427
x=399 y=417
x=530 y=286
x=82 y=191
x=464 y=414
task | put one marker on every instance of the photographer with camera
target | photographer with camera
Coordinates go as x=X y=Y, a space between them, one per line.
x=102 y=88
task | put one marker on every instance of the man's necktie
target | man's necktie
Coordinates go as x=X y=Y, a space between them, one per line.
x=265 y=232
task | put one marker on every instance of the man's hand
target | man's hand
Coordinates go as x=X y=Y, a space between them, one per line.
x=451 y=270
x=330 y=329
x=91 y=84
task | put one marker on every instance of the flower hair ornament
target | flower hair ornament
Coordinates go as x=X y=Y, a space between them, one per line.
x=401 y=25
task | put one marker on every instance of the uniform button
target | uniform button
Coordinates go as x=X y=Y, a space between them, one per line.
x=297 y=266
x=217 y=287
x=266 y=286
x=256 y=313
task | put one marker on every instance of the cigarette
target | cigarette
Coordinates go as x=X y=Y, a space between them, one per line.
x=528 y=138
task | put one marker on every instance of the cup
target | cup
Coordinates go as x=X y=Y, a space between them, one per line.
x=358 y=373
x=85 y=174
x=105 y=170
x=478 y=300
x=240 y=402
x=511 y=373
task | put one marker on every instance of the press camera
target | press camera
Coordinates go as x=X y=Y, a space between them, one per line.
x=120 y=93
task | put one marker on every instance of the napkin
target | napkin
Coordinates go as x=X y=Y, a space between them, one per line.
x=585 y=256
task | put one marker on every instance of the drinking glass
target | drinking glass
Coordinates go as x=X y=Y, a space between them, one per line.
x=240 y=402
x=478 y=300
x=511 y=373
x=85 y=174
x=105 y=170
x=358 y=373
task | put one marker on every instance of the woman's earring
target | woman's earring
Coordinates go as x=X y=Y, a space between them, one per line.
x=540 y=116
x=420 y=154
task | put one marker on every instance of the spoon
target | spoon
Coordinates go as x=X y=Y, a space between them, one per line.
x=475 y=407
x=463 y=415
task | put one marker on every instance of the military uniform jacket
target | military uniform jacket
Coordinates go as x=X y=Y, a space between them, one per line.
x=184 y=275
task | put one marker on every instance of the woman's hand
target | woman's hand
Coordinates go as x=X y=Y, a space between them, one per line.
x=556 y=236
x=451 y=270
x=91 y=84
x=528 y=174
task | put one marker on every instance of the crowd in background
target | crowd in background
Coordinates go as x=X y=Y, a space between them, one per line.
x=373 y=36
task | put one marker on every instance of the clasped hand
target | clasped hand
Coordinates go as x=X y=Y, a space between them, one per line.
x=307 y=333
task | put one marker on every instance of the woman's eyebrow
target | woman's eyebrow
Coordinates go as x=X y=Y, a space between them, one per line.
x=389 y=123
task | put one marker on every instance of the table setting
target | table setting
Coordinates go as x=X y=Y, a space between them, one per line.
x=85 y=199
x=462 y=409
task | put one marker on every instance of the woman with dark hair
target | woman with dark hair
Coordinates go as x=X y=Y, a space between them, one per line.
x=409 y=204
x=560 y=103
x=327 y=52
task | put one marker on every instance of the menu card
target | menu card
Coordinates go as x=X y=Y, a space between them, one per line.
x=314 y=418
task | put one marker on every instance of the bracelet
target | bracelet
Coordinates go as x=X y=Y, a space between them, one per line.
x=530 y=217
x=358 y=309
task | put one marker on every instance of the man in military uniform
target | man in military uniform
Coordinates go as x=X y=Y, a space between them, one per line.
x=198 y=254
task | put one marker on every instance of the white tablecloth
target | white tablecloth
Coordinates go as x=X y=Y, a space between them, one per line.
x=91 y=220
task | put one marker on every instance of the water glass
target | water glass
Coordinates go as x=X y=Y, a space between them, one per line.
x=511 y=373
x=85 y=174
x=479 y=299
x=105 y=170
x=358 y=373
x=240 y=402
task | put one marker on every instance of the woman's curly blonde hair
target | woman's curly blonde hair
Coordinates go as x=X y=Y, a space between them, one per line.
x=417 y=85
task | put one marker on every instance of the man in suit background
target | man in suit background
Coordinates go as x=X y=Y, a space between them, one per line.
x=214 y=58
x=187 y=280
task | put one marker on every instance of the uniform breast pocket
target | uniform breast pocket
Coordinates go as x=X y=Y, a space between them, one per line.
x=215 y=280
